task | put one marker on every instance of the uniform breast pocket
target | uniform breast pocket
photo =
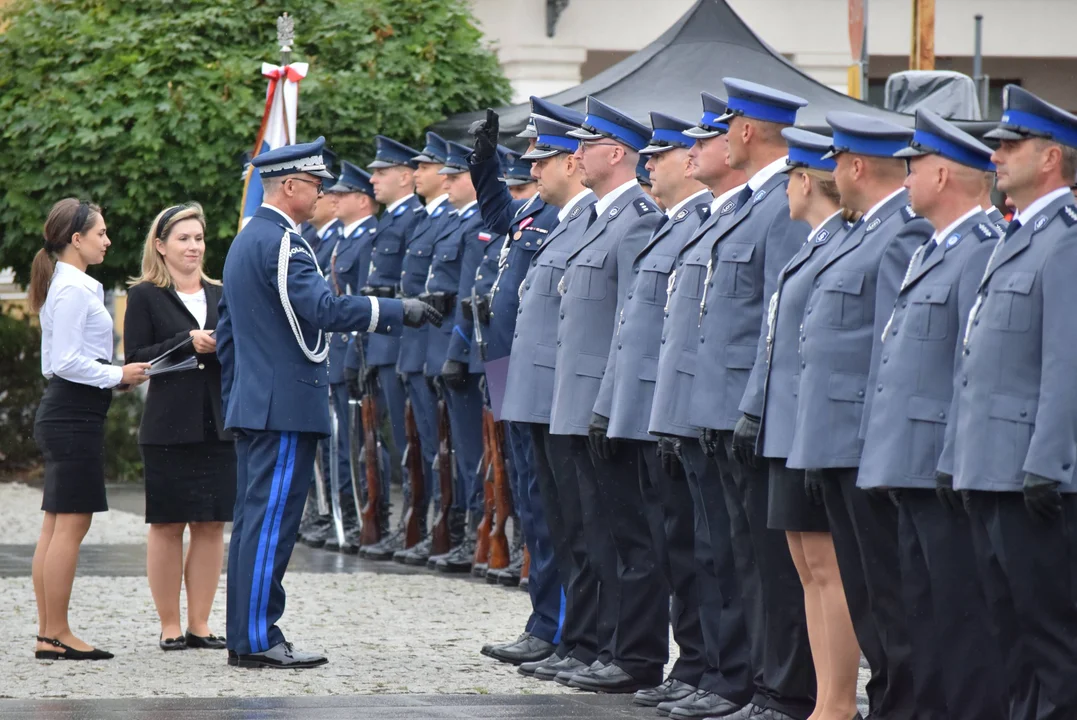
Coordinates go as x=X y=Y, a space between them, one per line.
x=447 y=253
x=1010 y=423
x=551 y=269
x=653 y=275
x=840 y=300
x=734 y=275
x=587 y=277
x=1010 y=308
x=927 y=421
x=690 y=277
x=387 y=246
x=929 y=314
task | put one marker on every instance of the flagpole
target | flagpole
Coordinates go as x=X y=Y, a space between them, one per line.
x=285 y=37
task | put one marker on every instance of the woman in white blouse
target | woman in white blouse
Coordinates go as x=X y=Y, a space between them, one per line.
x=188 y=459
x=76 y=357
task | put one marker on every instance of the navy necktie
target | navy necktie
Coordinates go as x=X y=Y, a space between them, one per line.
x=592 y=215
x=931 y=245
x=744 y=196
x=661 y=223
x=1012 y=229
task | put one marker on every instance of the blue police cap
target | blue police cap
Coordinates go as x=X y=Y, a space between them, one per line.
x=605 y=121
x=293 y=159
x=863 y=135
x=807 y=150
x=514 y=170
x=709 y=125
x=643 y=175
x=456 y=160
x=434 y=151
x=935 y=136
x=551 y=111
x=668 y=133
x=1026 y=115
x=757 y=101
x=553 y=138
x=390 y=153
x=352 y=179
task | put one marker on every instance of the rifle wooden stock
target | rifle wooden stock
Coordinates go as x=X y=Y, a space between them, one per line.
x=413 y=461
x=371 y=528
x=440 y=543
x=499 y=541
x=482 y=537
x=526 y=569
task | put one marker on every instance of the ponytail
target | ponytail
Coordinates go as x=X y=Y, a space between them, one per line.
x=67 y=218
x=40 y=277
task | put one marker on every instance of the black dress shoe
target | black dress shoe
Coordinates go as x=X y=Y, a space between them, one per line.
x=417 y=555
x=281 y=655
x=702 y=704
x=528 y=668
x=756 y=712
x=610 y=679
x=386 y=548
x=69 y=653
x=523 y=584
x=566 y=677
x=176 y=643
x=490 y=646
x=209 y=642
x=529 y=649
x=319 y=531
x=550 y=671
x=233 y=658
x=459 y=560
x=669 y=691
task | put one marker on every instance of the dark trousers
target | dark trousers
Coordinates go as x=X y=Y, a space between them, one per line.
x=721 y=609
x=864 y=526
x=424 y=408
x=391 y=405
x=957 y=667
x=667 y=502
x=273 y=473
x=1029 y=573
x=338 y=395
x=465 y=417
x=641 y=641
x=543 y=581
x=555 y=475
x=777 y=627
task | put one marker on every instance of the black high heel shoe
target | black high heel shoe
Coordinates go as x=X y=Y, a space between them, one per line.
x=209 y=642
x=69 y=653
x=176 y=643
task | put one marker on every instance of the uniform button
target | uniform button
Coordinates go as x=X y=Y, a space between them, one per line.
x=534 y=263
x=904 y=303
x=516 y=335
x=635 y=271
x=927 y=297
x=805 y=337
x=520 y=311
x=976 y=321
x=1024 y=413
x=894 y=331
x=663 y=341
x=803 y=365
x=817 y=283
x=878 y=389
x=964 y=382
x=1066 y=466
x=562 y=316
x=702 y=340
x=807 y=311
x=942 y=416
x=527 y=286
x=704 y=311
x=620 y=346
x=860 y=393
x=966 y=351
x=665 y=315
x=885 y=359
x=840 y=282
x=710 y=284
x=629 y=296
x=734 y=255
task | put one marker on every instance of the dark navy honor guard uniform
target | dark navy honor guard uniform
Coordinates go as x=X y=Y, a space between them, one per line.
x=625 y=398
x=1015 y=430
x=728 y=678
x=853 y=294
x=957 y=667
x=594 y=287
x=275 y=394
x=322 y=239
x=743 y=270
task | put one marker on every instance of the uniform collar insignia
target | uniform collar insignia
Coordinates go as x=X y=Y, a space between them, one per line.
x=400 y=211
x=759 y=196
x=614 y=211
x=438 y=210
x=681 y=215
x=576 y=211
x=728 y=207
x=469 y=213
x=1040 y=222
x=873 y=224
x=822 y=237
x=953 y=240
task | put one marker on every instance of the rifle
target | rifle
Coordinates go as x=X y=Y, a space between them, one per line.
x=334 y=473
x=480 y=563
x=499 y=542
x=413 y=463
x=371 y=528
x=321 y=493
x=440 y=533
x=526 y=569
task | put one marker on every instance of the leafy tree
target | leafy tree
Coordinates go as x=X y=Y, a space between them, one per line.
x=138 y=104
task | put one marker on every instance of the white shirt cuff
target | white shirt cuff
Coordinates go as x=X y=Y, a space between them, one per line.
x=115 y=375
x=375 y=312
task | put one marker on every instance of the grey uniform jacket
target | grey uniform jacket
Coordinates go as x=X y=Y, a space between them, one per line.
x=628 y=385
x=744 y=267
x=785 y=311
x=851 y=300
x=529 y=385
x=680 y=328
x=920 y=357
x=1016 y=401
x=595 y=282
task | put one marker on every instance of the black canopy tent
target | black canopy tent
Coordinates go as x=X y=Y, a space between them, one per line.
x=708 y=42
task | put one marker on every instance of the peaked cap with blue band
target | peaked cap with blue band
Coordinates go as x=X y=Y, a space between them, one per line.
x=390 y=153
x=936 y=136
x=553 y=138
x=352 y=179
x=807 y=150
x=710 y=125
x=643 y=175
x=456 y=160
x=292 y=160
x=514 y=169
x=434 y=151
x=863 y=135
x=551 y=111
x=606 y=121
x=1026 y=115
x=753 y=100
x=668 y=133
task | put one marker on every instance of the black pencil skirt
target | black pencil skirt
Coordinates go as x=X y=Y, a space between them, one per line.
x=70 y=431
x=789 y=506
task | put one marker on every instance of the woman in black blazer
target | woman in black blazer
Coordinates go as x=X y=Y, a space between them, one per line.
x=189 y=461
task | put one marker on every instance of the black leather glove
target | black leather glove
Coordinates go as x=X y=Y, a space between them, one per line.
x=1042 y=499
x=601 y=445
x=944 y=490
x=370 y=374
x=813 y=486
x=485 y=132
x=417 y=313
x=482 y=309
x=895 y=496
x=351 y=380
x=454 y=373
x=669 y=454
x=465 y=307
x=708 y=440
x=744 y=436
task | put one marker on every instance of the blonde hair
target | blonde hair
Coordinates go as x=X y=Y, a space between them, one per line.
x=154 y=269
x=824 y=183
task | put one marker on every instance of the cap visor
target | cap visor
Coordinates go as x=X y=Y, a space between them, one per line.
x=338 y=188
x=527 y=132
x=380 y=164
x=726 y=117
x=515 y=182
x=449 y=170
x=321 y=173
x=538 y=154
x=423 y=157
x=581 y=134
x=701 y=133
x=833 y=153
x=655 y=149
x=1001 y=133
x=788 y=167
x=910 y=152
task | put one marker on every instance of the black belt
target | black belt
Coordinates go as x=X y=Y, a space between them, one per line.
x=382 y=291
x=443 y=302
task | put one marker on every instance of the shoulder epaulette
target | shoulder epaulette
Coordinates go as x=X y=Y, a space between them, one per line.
x=1069 y=215
x=907 y=213
x=984 y=232
x=644 y=207
x=401 y=210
